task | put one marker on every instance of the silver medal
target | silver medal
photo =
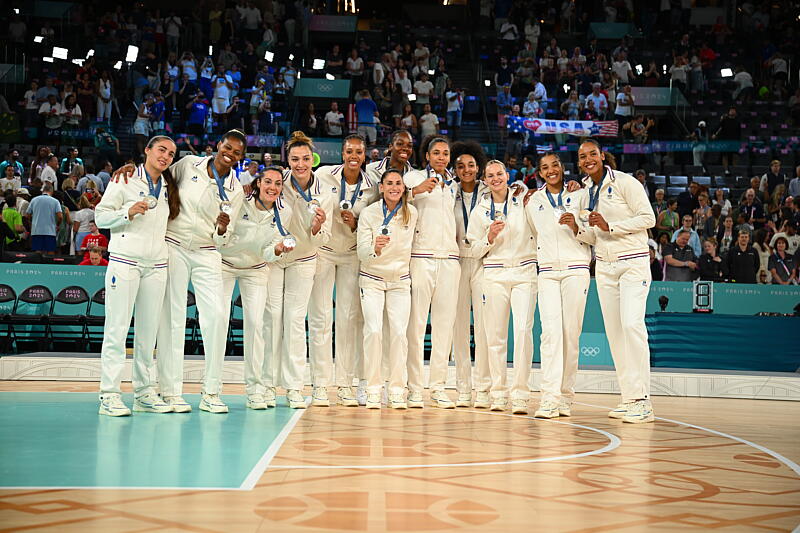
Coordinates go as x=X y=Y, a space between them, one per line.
x=584 y=215
x=226 y=207
x=151 y=201
x=312 y=206
x=385 y=230
x=558 y=211
x=344 y=205
x=499 y=216
x=289 y=242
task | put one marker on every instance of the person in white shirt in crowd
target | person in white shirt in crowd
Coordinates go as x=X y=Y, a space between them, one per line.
x=246 y=178
x=258 y=240
x=624 y=110
x=744 y=84
x=679 y=73
x=794 y=184
x=501 y=234
x=222 y=85
x=455 y=103
x=9 y=182
x=403 y=82
x=789 y=232
x=291 y=278
x=622 y=67
x=599 y=99
x=428 y=122
x=540 y=94
x=31 y=105
x=338 y=263
x=136 y=277
x=334 y=120
x=81 y=220
x=531 y=109
x=49 y=173
x=470 y=161
x=423 y=88
x=435 y=271
x=562 y=286
x=385 y=238
x=619 y=215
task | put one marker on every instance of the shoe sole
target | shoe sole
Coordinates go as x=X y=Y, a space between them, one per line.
x=297 y=405
x=645 y=420
x=182 y=409
x=481 y=405
x=497 y=408
x=519 y=411
x=539 y=414
x=416 y=405
x=214 y=410
x=257 y=407
x=464 y=404
x=109 y=413
x=145 y=409
x=348 y=403
x=398 y=406
x=271 y=403
x=439 y=405
x=564 y=413
x=616 y=416
x=373 y=405
x=321 y=403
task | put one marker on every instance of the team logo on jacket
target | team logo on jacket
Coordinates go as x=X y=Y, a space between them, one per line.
x=541 y=207
x=245 y=217
x=194 y=178
x=513 y=199
x=568 y=199
x=113 y=282
x=609 y=191
x=333 y=189
x=141 y=194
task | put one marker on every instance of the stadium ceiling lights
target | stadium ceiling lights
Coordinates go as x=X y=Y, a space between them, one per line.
x=16 y=11
x=329 y=77
x=38 y=39
x=133 y=53
x=487 y=83
x=90 y=53
x=118 y=65
x=319 y=64
x=47 y=59
x=60 y=53
x=210 y=50
x=269 y=56
x=412 y=97
x=291 y=57
x=726 y=73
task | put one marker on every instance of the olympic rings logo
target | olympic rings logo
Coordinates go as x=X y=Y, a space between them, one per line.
x=590 y=351
x=325 y=87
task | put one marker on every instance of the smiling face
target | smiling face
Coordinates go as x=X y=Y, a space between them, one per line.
x=354 y=154
x=550 y=169
x=230 y=151
x=270 y=185
x=392 y=187
x=709 y=248
x=591 y=159
x=301 y=161
x=438 y=156
x=161 y=154
x=466 y=168
x=496 y=177
x=402 y=146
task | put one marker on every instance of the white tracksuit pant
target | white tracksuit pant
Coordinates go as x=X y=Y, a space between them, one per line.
x=469 y=294
x=204 y=269
x=343 y=270
x=128 y=286
x=562 y=301
x=253 y=291
x=393 y=297
x=104 y=109
x=622 y=288
x=289 y=290
x=433 y=288
x=507 y=290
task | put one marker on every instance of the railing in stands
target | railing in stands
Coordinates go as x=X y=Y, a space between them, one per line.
x=477 y=69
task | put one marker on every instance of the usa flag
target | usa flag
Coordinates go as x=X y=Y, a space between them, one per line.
x=581 y=128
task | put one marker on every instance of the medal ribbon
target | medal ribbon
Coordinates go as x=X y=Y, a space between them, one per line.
x=471 y=206
x=594 y=193
x=505 y=206
x=387 y=216
x=560 y=200
x=282 y=231
x=300 y=191
x=355 y=193
x=154 y=191
x=220 y=181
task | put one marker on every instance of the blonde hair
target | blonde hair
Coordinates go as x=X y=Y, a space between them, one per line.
x=77 y=170
x=67 y=184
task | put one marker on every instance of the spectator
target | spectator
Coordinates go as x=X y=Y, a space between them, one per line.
x=50 y=114
x=334 y=63
x=45 y=216
x=334 y=121
x=43 y=93
x=679 y=73
x=660 y=204
x=68 y=163
x=788 y=231
x=12 y=161
x=105 y=173
x=13 y=220
x=701 y=214
x=267 y=125
x=289 y=74
x=680 y=259
x=624 y=109
x=761 y=245
x=94 y=257
x=9 y=182
x=711 y=265
x=246 y=178
x=743 y=261
x=771 y=179
x=509 y=34
x=428 y=122
x=598 y=99
x=571 y=107
x=744 y=85
x=622 y=68
x=730 y=129
x=49 y=173
x=794 y=184
x=105 y=97
x=198 y=113
x=84 y=179
x=424 y=91
x=515 y=136
x=781 y=263
x=540 y=94
x=366 y=111
x=81 y=221
x=94 y=240
x=107 y=145
x=752 y=210
x=455 y=103
x=531 y=109
x=656 y=267
x=699 y=138
x=408 y=121
x=504 y=102
x=504 y=77
x=30 y=105
x=694 y=238
x=722 y=201
x=354 y=68
x=687 y=200
x=713 y=222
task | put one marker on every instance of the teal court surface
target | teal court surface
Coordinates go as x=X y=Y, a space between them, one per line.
x=57 y=440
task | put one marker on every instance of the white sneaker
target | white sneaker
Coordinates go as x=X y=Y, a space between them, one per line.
x=373 y=400
x=519 y=407
x=111 y=405
x=346 y=398
x=256 y=402
x=396 y=401
x=415 y=400
x=150 y=402
x=441 y=400
x=361 y=392
x=464 y=399
x=547 y=409
x=639 y=412
x=564 y=408
x=320 y=397
x=270 y=398
x=295 y=399
x=212 y=404
x=499 y=404
x=482 y=400
x=620 y=410
x=179 y=405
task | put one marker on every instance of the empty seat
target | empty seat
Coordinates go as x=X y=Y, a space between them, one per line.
x=678 y=180
x=702 y=180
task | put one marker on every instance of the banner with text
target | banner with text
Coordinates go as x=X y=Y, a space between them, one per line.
x=580 y=128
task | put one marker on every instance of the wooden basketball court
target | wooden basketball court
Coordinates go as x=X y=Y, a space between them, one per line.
x=705 y=464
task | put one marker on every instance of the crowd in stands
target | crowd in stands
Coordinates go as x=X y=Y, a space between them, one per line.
x=235 y=65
